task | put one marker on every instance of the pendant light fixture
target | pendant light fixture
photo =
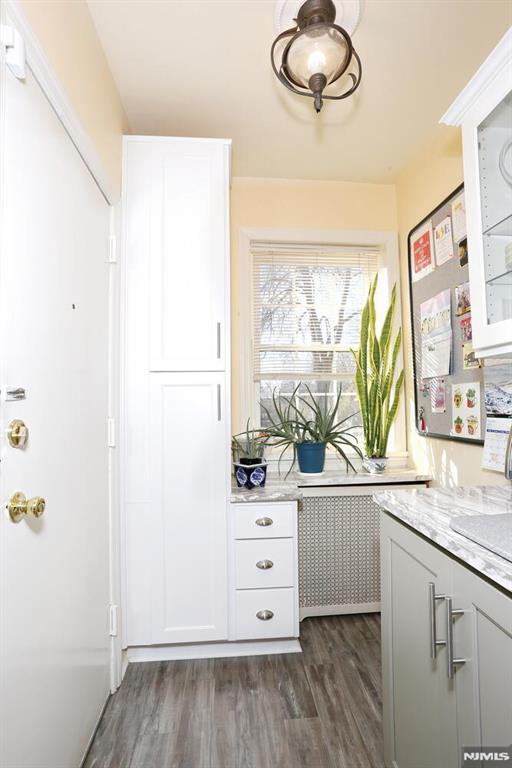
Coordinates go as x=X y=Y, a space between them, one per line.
x=316 y=53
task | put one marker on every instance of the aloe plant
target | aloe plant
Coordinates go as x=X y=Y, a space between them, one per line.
x=377 y=391
x=298 y=420
x=249 y=444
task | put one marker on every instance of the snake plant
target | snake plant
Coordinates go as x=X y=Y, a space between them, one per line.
x=377 y=391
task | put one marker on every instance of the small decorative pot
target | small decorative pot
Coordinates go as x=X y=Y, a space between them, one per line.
x=375 y=465
x=250 y=475
x=311 y=457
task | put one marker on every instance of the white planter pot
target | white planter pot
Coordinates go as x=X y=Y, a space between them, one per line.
x=375 y=466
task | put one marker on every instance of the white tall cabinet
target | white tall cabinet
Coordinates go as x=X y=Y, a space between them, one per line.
x=175 y=387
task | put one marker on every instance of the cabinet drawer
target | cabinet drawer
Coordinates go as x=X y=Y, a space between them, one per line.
x=264 y=521
x=264 y=563
x=280 y=608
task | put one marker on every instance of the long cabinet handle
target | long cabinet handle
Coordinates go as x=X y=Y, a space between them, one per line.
x=451 y=614
x=218 y=340
x=432 y=597
x=219 y=403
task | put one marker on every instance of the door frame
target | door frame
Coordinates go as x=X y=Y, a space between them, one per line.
x=12 y=14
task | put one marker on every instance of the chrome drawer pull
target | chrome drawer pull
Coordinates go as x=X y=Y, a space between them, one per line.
x=265 y=615
x=432 y=597
x=264 y=565
x=264 y=521
x=451 y=615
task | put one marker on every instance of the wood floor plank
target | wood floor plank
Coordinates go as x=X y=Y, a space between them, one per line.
x=317 y=709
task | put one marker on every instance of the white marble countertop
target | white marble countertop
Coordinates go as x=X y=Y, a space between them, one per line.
x=429 y=511
x=279 y=489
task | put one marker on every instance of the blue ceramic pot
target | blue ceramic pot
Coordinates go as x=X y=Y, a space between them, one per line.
x=250 y=475
x=311 y=457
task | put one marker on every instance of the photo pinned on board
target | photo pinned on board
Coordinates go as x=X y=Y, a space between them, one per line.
x=462 y=299
x=463 y=252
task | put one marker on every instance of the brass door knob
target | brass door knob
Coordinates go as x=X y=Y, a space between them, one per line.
x=17 y=433
x=19 y=506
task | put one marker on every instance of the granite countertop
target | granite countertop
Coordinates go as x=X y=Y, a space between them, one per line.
x=279 y=489
x=429 y=511
x=273 y=491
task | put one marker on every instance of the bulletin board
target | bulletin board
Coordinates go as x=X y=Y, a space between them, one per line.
x=448 y=380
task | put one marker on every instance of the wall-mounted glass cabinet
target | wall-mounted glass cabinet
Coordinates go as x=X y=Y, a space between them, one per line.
x=484 y=111
x=495 y=180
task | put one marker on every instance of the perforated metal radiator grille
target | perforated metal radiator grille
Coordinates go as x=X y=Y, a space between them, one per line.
x=339 y=559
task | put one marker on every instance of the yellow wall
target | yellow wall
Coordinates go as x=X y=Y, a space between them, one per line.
x=68 y=36
x=286 y=203
x=426 y=181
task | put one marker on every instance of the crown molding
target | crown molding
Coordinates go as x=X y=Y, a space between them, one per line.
x=494 y=66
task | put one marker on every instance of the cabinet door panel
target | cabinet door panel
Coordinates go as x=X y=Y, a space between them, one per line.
x=483 y=636
x=189 y=256
x=189 y=488
x=485 y=130
x=419 y=700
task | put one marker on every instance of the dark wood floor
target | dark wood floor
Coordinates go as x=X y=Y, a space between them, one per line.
x=317 y=709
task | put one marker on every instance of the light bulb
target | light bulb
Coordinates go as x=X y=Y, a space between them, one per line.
x=316 y=62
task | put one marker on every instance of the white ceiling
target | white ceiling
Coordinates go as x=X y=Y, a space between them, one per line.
x=201 y=68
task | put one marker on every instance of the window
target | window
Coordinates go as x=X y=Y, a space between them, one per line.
x=306 y=312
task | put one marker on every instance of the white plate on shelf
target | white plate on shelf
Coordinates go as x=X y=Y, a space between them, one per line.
x=310 y=474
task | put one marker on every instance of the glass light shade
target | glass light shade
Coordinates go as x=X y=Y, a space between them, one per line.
x=322 y=50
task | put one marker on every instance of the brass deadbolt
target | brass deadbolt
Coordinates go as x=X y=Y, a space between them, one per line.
x=17 y=433
x=19 y=507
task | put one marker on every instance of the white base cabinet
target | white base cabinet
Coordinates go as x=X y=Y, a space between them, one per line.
x=483 y=636
x=446 y=655
x=264 y=573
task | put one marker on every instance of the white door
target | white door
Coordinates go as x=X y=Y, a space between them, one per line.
x=189 y=466
x=53 y=344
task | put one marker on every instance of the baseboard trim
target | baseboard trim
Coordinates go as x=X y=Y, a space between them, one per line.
x=93 y=734
x=335 y=610
x=211 y=650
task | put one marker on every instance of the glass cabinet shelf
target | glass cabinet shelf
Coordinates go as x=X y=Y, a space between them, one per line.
x=505 y=278
x=501 y=228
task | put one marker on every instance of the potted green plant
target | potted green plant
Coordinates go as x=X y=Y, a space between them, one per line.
x=377 y=391
x=250 y=467
x=308 y=428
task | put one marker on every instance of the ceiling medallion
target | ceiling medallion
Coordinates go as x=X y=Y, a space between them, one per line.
x=316 y=53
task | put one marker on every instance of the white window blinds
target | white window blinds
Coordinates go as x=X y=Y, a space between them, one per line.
x=307 y=304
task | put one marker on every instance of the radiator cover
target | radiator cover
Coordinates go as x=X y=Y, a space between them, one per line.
x=339 y=554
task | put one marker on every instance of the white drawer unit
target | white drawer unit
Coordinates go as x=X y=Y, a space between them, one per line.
x=264 y=590
x=264 y=521
x=264 y=563
x=264 y=613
